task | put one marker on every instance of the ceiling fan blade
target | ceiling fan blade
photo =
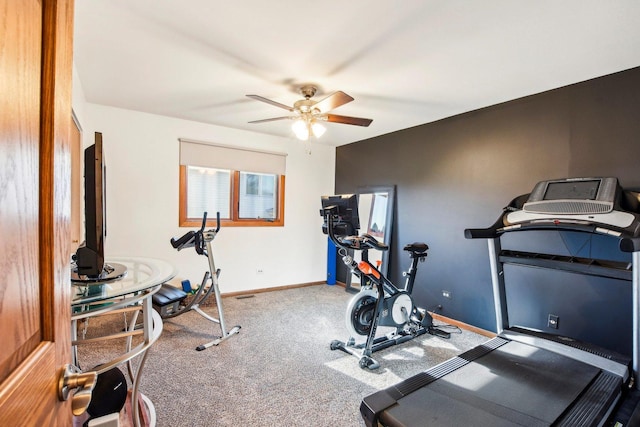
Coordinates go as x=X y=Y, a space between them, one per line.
x=332 y=101
x=270 y=120
x=268 y=101
x=358 y=121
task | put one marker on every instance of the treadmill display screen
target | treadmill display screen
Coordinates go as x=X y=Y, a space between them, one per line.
x=575 y=190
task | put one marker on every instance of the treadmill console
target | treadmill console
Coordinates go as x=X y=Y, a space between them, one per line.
x=573 y=196
x=574 y=201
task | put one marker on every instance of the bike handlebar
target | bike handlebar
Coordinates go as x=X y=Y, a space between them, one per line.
x=358 y=243
x=204 y=221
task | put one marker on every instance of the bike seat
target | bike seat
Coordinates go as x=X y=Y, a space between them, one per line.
x=416 y=248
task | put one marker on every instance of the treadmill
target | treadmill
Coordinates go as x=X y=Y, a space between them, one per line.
x=525 y=377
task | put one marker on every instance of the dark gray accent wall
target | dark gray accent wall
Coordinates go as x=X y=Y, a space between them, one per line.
x=460 y=172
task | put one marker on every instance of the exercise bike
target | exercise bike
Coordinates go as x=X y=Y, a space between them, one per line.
x=169 y=300
x=379 y=302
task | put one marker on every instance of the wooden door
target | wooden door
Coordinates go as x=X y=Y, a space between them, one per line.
x=35 y=118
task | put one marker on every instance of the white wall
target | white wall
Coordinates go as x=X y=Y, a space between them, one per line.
x=141 y=153
x=77 y=96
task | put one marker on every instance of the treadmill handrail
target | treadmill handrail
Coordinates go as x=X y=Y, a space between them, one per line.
x=630 y=244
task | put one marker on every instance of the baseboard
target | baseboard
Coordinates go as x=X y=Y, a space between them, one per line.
x=276 y=288
x=462 y=325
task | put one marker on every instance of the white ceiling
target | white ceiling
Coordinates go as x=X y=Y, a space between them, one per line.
x=405 y=62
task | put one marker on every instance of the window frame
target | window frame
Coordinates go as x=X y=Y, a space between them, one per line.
x=234 y=221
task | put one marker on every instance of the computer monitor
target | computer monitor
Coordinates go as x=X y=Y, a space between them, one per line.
x=344 y=212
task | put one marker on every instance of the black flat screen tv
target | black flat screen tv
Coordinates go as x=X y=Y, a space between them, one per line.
x=90 y=254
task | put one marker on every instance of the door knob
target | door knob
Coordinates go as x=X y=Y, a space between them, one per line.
x=71 y=378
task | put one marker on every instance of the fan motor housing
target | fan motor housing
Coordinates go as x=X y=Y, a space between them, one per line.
x=304 y=106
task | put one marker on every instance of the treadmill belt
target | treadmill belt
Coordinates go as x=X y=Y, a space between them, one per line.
x=515 y=384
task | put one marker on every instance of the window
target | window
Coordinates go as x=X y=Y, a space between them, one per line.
x=257 y=196
x=245 y=186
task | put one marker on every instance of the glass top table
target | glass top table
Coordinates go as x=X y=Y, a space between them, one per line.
x=131 y=293
x=141 y=274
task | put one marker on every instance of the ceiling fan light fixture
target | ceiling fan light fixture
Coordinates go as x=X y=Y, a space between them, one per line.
x=318 y=129
x=301 y=130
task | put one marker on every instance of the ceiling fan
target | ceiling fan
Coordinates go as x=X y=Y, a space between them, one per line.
x=307 y=113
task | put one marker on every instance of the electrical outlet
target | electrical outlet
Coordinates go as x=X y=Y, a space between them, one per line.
x=446 y=294
x=553 y=321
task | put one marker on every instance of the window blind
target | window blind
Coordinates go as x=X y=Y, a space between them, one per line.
x=208 y=191
x=197 y=153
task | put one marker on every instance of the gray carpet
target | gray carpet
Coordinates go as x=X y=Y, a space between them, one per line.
x=279 y=371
